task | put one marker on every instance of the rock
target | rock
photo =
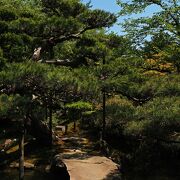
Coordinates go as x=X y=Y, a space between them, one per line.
x=60 y=128
x=58 y=168
x=26 y=165
x=91 y=168
x=8 y=144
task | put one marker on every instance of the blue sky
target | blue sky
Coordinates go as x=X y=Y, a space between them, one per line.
x=111 y=6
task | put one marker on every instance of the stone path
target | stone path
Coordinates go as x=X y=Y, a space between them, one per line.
x=83 y=165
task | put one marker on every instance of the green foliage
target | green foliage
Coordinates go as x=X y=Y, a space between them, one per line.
x=26 y=25
x=80 y=105
x=139 y=103
x=48 y=86
x=164 y=46
x=172 y=55
x=14 y=106
x=158 y=118
x=76 y=109
x=98 y=18
x=92 y=48
x=166 y=19
x=7 y=15
x=2 y=59
x=15 y=34
x=168 y=86
x=119 y=111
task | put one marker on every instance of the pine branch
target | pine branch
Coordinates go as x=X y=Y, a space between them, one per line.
x=138 y=101
x=60 y=39
x=58 y=62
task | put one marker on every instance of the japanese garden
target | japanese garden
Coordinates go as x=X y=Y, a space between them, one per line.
x=80 y=102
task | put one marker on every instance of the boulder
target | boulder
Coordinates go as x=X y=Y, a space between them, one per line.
x=58 y=168
x=27 y=165
x=8 y=144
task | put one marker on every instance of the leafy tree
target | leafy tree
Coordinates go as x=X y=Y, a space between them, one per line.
x=92 y=48
x=76 y=109
x=120 y=111
x=26 y=25
x=47 y=87
x=31 y=24
x=158 y=119
x=163 y=27
x=163 y=50
x=166 y=19
x=132 y=91
x=2 y=59
x=18 y=23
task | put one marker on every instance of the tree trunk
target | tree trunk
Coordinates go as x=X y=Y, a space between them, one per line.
x=104 y=115
x=74 y=126
x=50 y=125
x=46 y=109
x=21 y=158
x=178 y=68
x=104 y=106
x=66 y=129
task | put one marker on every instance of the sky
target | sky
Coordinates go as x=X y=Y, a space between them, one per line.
x=111 y=6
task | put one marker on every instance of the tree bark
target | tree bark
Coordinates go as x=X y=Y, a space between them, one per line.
x=74 y=126
x=104 y=115
x=66 y=129
x=104 y=107
x=21 y=158
x=46 y=109
x=50 y=125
